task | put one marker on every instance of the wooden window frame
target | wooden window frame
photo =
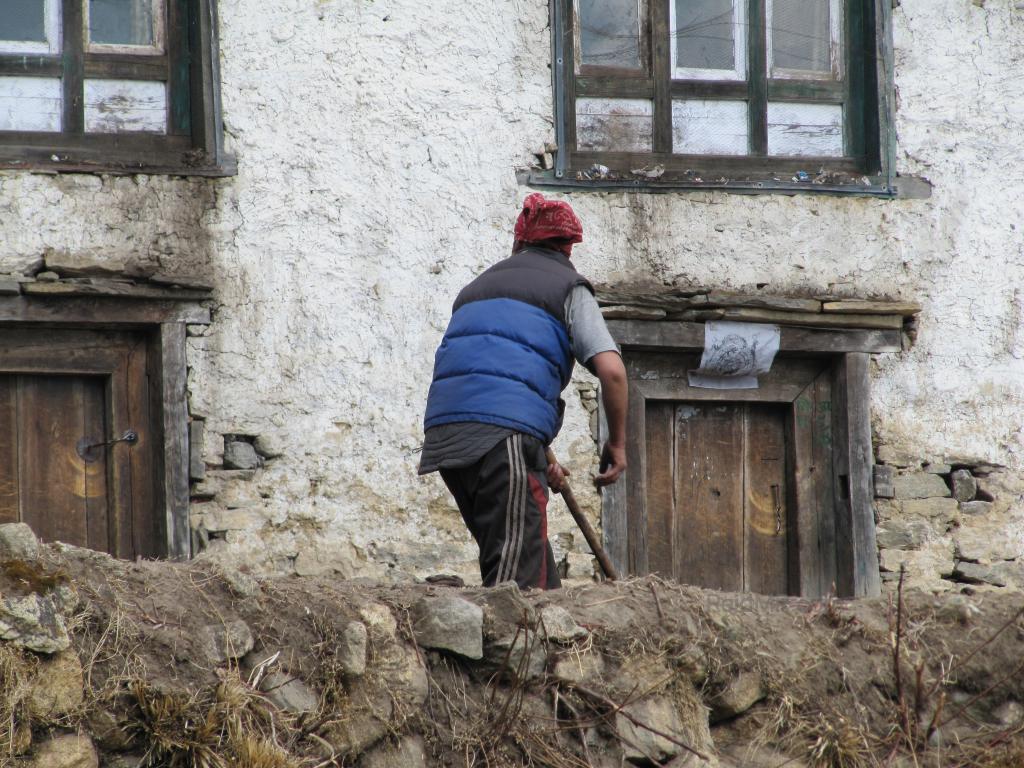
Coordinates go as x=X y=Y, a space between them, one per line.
x=852 y=564
x=187 y=62
x=865 y=89
x=164 y=323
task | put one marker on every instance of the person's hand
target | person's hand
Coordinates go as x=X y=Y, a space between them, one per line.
x=556 y=477
x=613 y=463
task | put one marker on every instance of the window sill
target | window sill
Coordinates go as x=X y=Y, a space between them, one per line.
x=901 y=188
x=227 y=166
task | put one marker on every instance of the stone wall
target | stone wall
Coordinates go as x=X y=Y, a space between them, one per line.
x=378 y=147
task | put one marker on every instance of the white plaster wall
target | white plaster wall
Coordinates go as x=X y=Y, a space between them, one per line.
x=377 y=144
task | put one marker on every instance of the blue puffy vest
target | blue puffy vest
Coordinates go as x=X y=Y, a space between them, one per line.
x=505 y=356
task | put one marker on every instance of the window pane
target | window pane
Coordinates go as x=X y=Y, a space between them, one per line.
x=805 y=129
x=119 y=106
x=709 y=127
x=22 y=20
x=614 y=125
x=610 y=33
x=121 y=22
x=705 y=34
x=801 y=35
x=30 y=104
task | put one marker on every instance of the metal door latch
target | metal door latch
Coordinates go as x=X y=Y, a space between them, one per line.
x=87 y=446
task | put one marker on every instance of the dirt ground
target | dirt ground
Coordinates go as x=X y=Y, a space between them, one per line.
x=171 y=678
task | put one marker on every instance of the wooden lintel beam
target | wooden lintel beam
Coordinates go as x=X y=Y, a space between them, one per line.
x=103 y=312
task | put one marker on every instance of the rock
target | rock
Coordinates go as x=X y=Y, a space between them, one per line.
x=57 y=688
x=738 y=695
x=965 y=487
x=937 y=468
x=988 y=541
x=505 y=611
x=523 y=657
x=449 y=623
x=896 y=457
x=380 y=706
x=48 y=277
x=998 y=575
x=33 y=622
x=18 y=542
x=239 y=454
x=904 y=534
x=125 y=761
x=940 y=510
x=289 y=693
x=409 y=752
x=9 y=287
x=224 y=642
x=642 y=744
x=584 y=668
x=1009 y=714
x=919 y=485
x=268 y=446
x=351 y=650
x=957 y=609
x=560 y=626
x=341 y=558
x=979 y=508
x=196 y=465
x=882 y=476
x=753 y=756
x=112 y=729
x=68 y=751
x=241 y=583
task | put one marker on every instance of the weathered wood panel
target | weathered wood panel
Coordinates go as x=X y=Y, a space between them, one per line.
x=122 y=106
x=614 y=125
x=96 y=500
x=710 y=127
x=659 y=501
x=148 y=533
x=9 y=506
x=805 y=129
x=636 y=481
x=30 y=104
x=690 y=336
x=765 y=505
x=51 y=421
x=173 y=458
x=614 y=506
x=709 y=494
x=102 y=312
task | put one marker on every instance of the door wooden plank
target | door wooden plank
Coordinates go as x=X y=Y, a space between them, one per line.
x=660 y=453
x=636 y=483
x=122 y=535
x=50 y=423
x=614 y=510
x=9 y=512
x=709 y=494
x=147 y=527
x=765 y=508
x=172 y=450
x=96 y=501
x=805 y=556
x=822 y=481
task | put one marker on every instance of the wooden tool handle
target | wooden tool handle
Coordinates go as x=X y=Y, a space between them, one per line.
x=581 y=520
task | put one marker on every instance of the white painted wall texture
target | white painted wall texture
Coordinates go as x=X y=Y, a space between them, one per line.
x=377 y=145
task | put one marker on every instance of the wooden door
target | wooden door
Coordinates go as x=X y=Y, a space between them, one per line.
x=64 y=396
x=717 y=507
x=730 y=489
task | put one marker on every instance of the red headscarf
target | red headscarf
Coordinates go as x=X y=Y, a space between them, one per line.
x=551 y=223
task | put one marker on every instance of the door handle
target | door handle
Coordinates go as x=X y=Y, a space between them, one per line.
x=86 y=447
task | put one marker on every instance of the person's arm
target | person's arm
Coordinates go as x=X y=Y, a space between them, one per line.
x=610 y=371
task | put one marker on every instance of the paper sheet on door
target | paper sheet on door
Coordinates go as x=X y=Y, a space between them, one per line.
x=735 y=354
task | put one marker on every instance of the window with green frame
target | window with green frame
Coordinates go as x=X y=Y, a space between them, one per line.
x=110 y=85
x=737 y=92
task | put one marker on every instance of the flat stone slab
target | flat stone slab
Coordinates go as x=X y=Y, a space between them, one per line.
x=920 y=485
x=18 y=542
x=449 y=623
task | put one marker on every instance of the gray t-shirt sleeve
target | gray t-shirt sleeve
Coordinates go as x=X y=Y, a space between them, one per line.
x=588 y=333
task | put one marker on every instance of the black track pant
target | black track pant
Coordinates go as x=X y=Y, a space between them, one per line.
x=503 y=498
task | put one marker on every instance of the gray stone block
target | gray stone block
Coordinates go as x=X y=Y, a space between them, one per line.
x=976 y=507
x=940 y=510
x=239 y=454
x=196 y=465
x=937 y=468
x=268 y=446
x=997 y=575
x=449 y=623
x=883 y=476
x=965 y=487
x=560 y=626
x=351 y=651
x=739 y=695
x=18 y=542
x=223 y=642
x=289 y=693
x=920 y=485
x=644 y=744
x=9 y=287
x=904 y=534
